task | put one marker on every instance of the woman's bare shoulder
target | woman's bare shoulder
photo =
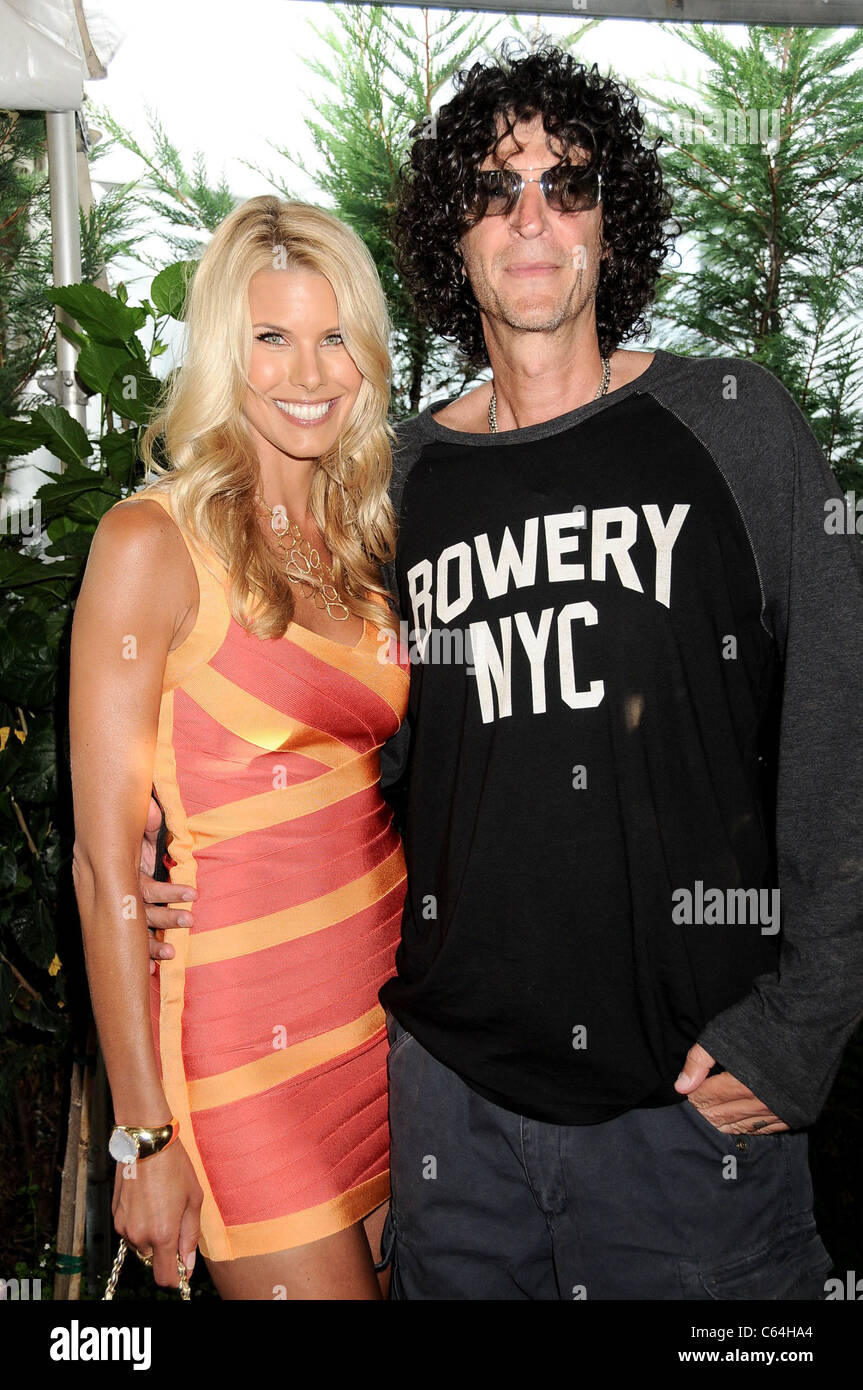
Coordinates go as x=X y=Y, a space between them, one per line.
x=140 y=522
x=138 y=533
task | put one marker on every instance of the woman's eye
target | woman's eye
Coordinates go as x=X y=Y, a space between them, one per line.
x=268 y=336
x=334 y=338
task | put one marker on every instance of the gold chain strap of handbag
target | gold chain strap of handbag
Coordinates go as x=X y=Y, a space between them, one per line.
x=185 y=1291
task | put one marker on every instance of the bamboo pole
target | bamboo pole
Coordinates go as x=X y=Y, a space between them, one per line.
x=69 y=1185
x=73 y=1190
x=81 y=1167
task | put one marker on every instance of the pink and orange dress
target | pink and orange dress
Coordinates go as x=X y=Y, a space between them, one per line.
x=271 y=1040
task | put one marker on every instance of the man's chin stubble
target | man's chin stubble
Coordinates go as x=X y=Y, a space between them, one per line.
x=540 y=319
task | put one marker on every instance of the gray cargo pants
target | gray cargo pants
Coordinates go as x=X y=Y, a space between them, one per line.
x=655 y=1204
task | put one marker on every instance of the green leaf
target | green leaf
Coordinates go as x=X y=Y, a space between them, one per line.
x=69 y=495
x=7 y=984
x=120 y=454
x=36 y=779
x=79 y=339
x=97 y=363
x=90 y=507
x=76 y=542
x=133 y=391
x=51 y=577
x=102 y=315
x=168 y=290
x=57 y=527
x=11 y=760
x=64 y=436
x=77 y=471
x=17 y=570
x=8 y=867
x=18 y=437
x=32 y=930
x=28 y=664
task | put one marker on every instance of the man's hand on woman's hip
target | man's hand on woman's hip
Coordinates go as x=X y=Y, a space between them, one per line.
x=155 y=894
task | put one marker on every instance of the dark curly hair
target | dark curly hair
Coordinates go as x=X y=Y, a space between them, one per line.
x=578 y=107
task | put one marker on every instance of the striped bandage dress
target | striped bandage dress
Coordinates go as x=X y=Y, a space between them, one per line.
x=271 y=1040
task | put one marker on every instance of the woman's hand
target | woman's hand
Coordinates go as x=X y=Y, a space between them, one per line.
x=157 y=1207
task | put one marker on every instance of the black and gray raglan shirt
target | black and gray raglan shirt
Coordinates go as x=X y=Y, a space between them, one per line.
x=638 y=647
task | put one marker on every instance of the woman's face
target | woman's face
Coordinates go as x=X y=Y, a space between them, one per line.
x=305 y=380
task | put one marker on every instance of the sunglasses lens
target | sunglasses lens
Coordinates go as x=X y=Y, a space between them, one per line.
x=571 y=190
x=494 y=192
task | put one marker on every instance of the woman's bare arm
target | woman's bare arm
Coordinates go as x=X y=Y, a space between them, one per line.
x=136 y=601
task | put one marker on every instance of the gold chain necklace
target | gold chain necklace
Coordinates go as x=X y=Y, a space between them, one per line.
x=303 y=565
x=603 y=387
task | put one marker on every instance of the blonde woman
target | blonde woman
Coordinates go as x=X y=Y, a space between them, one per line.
x=226 y=650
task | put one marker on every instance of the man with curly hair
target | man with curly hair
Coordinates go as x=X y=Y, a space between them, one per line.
x=605 y=1046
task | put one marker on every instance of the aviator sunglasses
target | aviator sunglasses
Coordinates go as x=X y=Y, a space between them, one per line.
x=495 y=192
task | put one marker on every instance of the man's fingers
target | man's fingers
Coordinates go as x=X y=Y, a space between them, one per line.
x=151 y=835
x=152 y=891
x=167 y=918
x=742 y=1118
x=695 y=1070
x=154 y=819
x=731 y=1107
x=155 y=895
x=751 y=1124
x=737 y=1113
x=159 y=949
x=722 y=1089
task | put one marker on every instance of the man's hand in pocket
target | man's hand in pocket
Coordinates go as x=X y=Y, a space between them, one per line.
x=723 y=1100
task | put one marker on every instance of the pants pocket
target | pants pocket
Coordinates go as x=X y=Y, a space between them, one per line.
x=396 y=1034
x=791 y=1266
x=751 y=1229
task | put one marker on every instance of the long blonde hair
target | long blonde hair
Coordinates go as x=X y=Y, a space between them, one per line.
x=212 y=468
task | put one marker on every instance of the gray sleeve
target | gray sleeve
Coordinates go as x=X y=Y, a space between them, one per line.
x=395 y=752
x=785 y=1038
x=410 y=437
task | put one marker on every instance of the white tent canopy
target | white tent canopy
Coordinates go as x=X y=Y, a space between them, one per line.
x=812 y=13
x=49 y=48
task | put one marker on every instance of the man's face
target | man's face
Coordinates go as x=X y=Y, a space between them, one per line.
x=535 y=268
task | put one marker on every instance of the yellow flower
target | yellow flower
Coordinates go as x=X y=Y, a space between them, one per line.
x=55 y=966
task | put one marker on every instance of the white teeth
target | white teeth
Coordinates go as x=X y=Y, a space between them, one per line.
x=305 y=412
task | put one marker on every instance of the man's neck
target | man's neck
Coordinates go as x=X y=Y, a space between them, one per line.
x=470 y=412
x=538 y=376
x=534 y=385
